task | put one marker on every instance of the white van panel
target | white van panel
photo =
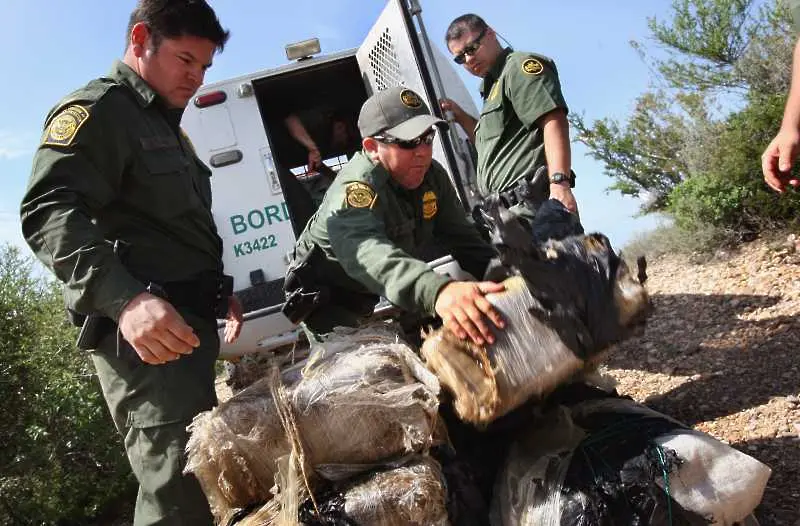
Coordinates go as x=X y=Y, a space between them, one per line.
x=217 y=128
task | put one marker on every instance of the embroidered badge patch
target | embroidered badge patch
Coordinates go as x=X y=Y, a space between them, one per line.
x=430 y=205
x=495 y=90
x=359 y=195
x=410 y=99
x=65 y=125
x=532 y=67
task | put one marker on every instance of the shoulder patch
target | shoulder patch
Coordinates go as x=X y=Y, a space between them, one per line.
x=532 y=66
x=430 y=204
x=65 y=125
x=360 y=195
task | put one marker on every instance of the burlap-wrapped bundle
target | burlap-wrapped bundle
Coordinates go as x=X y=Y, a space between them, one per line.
x=564 y=304
x=412 y=494
x=349 y=411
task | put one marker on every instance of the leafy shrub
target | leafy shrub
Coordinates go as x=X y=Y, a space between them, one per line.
x=730 y=192
x=62 y=461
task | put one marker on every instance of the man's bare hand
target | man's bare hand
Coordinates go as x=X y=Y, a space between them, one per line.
x=451 y=105
x=562 y=192
x=778 y=159
x=234 y=319
x=314 y=160
x=156 y=331
x=463 y=308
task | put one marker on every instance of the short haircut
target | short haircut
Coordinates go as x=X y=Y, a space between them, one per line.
x=462 y=24
x=177 y=18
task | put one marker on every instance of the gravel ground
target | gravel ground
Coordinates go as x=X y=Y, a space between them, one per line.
x=720 y=353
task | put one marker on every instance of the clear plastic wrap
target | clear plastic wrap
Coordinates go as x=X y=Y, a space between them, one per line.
x=613 y=461
x=350 y=411
x=568 y=302
x=412 y=494
x=527 y=360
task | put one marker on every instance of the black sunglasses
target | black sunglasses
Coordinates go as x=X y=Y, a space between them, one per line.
x=425 y=138
x=470 y=49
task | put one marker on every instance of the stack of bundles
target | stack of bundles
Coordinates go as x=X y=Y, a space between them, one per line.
x=612 y=461
x=565 y=302
x=408 y=495
x=348 y=411
x=412 y=494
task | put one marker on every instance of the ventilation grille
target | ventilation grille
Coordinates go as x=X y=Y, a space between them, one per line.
x=384 y=63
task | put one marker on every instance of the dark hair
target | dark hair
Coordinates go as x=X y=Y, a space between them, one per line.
x=177 y=18
x=462 y=24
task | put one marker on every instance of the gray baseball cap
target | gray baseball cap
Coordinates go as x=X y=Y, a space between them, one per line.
x=398 y=112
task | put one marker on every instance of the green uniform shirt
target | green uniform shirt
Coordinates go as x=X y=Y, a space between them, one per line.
x=368 y=235
x=518 y=90
x=794 y=9
x=113 y=164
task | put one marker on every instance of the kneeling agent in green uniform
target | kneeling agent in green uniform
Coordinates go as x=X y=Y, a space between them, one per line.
x=386 y=203
x=113 y=165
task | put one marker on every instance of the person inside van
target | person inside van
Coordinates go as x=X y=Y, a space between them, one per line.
x=323 y=135
x=387 y=202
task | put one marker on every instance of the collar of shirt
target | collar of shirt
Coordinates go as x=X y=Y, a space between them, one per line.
x=380 y=176
x=146 y=95
x=494 y=72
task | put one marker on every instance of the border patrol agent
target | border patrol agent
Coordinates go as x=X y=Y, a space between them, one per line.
x=522 y=136
x=113 y=165
x=779 y=157
x=387 y=202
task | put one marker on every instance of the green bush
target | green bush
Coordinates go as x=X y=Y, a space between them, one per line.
x=62 y=461
x=729 y=192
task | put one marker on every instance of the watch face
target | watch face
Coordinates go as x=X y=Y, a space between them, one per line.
x=558 y=177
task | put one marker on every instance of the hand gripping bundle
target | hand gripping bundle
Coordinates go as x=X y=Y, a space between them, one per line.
x=565 y=302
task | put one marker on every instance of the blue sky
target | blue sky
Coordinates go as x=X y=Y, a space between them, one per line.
x=51 y=48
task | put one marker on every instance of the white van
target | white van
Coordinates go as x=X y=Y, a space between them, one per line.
x=260 y=204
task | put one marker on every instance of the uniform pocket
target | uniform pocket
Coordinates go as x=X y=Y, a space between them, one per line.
x=168 y=181
x=490 y=125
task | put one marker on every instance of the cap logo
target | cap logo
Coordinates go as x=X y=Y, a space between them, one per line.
x=410 y=99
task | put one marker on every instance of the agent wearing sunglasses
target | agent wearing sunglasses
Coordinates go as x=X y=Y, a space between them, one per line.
x=385 y=204
x=523 y=124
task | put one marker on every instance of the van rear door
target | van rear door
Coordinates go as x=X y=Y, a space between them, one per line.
x=393 y=54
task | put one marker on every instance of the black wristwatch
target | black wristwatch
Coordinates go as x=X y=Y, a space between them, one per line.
x=559 y=177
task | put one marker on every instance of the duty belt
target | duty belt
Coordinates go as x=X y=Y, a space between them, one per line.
x=533 y=188
x=207 y=295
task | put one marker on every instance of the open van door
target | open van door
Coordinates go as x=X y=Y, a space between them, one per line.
x=395 y=53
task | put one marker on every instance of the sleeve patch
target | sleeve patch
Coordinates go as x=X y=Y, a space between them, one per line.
x=532 y=66
x=360 y=195
x=65 y=125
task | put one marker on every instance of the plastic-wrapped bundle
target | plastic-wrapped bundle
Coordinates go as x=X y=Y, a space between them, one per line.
x=569 y=301
x=612 y=461
x=408 y=495
x=351 y=410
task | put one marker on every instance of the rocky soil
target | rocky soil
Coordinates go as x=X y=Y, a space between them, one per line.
x=722 y=353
